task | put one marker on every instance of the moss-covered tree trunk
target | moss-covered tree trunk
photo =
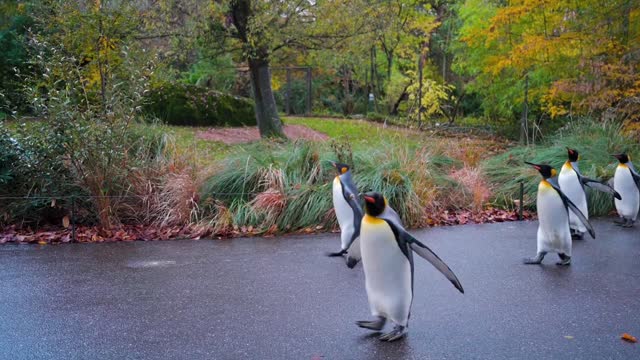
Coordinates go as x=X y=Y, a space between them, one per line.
x=257 y=56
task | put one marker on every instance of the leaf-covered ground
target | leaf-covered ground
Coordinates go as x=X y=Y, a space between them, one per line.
x=94 y=234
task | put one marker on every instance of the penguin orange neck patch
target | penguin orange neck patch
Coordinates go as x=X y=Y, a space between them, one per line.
x=372 y=220
x=545 y=184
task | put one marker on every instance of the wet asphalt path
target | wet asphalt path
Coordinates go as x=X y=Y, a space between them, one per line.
x=280 y=298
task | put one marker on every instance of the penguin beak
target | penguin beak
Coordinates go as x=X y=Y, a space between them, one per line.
x=369 y=199
x=617 y=156
x=535 y=166
x=333 y=163
x=571 y=151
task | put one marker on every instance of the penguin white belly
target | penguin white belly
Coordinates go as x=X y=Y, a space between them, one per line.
x=387 y=271
x=553 y=229
x=623 y=183
x=571 y=186
x=344 y=213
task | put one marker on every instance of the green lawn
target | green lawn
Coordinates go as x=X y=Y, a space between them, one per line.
x=360 y=133
x=205 y=150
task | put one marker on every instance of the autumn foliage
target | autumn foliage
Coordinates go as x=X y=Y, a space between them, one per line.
x=578 y=57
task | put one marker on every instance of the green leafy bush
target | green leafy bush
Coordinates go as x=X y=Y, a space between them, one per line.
x=595 y=141
x=8 y=155
x=185 y=104
x=216 y=73
x=14 y=61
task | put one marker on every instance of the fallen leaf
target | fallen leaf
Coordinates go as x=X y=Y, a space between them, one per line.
x=65 y=222
x=629 y=338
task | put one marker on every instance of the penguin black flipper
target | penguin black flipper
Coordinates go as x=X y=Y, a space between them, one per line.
x=634 y=174
x=595 y=184
x=427 y=254
x=570 y=205
x=350 y=194
x=407 y=242
x=600 y=186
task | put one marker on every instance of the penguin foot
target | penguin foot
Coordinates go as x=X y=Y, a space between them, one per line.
x=564 y=260
x=620 y=221
x=352 y=262
x=536 y=260
x=628 y=223
x=335 y=254
x=375 y=325
x=397 y=333
x=577 y=236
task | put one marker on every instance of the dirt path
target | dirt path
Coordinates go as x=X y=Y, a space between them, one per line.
x=232 y=136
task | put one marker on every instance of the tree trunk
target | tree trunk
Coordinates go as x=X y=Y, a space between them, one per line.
x=404 y=96
x=267 y=116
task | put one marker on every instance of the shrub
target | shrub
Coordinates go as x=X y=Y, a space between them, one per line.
x=8 y=155
x=594 y=140
x=377 y=117
x=185 y=104
x=33 y=164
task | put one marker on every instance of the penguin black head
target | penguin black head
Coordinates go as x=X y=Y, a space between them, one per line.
x=622 y=157
x=341 y=168
x=545 y=170
x=374 y=203
x=573 y=155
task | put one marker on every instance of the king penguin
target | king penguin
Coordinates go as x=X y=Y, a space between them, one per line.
x=387 y=258
x=572 y=184
x=348 y=212
x=553 y=217
x=627 y=182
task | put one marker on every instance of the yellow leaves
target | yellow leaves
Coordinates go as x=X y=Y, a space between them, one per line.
x=107 y=43
x=553 y=102
x=504 y=17
x=496 y=64
x=556 y=111
x=276 y=83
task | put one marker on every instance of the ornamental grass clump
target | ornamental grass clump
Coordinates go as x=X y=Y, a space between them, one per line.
x=595 y=141
x=270 y=187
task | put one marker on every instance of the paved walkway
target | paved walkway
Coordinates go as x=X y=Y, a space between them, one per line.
x=280 y=298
